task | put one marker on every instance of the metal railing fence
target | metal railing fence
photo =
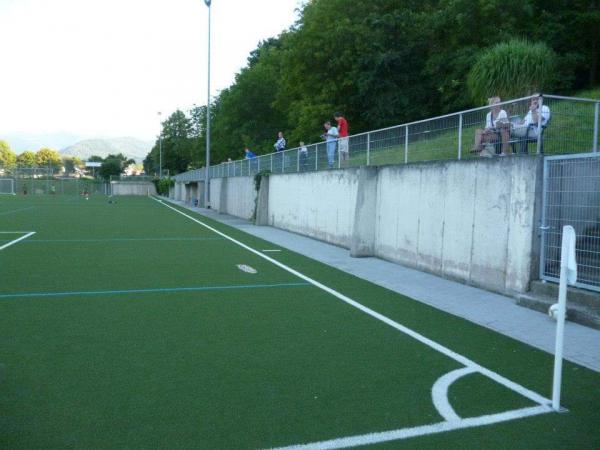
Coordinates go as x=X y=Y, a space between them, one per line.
x=572 y=128
x=572 y=197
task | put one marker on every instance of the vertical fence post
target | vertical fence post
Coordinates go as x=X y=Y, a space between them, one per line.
x=271 y=162
x=282 y=161
x=539 y=126
x=259 y=158
x=406 y=144
x=316 y=157
x=368 y=149
x=460 y=125
x=298 y=160
x=596 y=113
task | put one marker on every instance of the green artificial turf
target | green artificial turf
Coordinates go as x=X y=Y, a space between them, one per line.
x=215 y=357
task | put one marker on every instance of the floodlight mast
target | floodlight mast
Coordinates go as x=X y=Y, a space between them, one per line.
x=160 y=148
x=207 y=168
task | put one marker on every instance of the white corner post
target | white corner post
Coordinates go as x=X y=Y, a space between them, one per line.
x=207 y=168
x=568 y=274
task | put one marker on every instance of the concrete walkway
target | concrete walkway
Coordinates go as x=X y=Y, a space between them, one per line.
x=494 y=311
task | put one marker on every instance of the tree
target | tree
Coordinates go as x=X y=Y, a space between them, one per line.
x=46 y=157
x=26 y=159
x=512 y=69
x=70 y=163
x=114 y=165
x=8 y=158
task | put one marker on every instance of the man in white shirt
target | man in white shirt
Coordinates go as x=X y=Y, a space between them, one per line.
x=331 y=136
x=535 y=116
x=496 y=129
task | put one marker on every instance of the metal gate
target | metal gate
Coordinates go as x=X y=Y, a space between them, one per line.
x=572 y=197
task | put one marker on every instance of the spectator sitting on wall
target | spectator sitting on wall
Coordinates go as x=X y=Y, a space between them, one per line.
x=528 y=129
x=248 y=153
x=496 y=128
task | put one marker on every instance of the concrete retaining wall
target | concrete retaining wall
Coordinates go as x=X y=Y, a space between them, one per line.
x=472 y=221
x=316 y=204
x=235 y=196
x=132 y=188
x=475 y=221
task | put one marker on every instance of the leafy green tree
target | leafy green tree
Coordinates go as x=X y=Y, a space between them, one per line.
x=95 y=158
x=512 y=69
x=70 y=163
x=46 y=157
x=26 y=159
x=8 y=158
x=114 y=165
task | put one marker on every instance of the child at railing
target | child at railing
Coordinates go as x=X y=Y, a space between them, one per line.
x=497 y=128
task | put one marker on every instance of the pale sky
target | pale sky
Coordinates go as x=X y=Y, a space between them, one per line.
x=104 y=68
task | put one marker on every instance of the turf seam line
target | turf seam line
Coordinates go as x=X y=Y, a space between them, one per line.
x=13 y=242
x=534 y=396
x=151 y=290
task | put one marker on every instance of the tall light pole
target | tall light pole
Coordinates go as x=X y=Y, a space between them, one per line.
x=160 y=148
x=207 y=168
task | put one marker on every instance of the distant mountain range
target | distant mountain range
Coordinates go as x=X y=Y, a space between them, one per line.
x=82 y=148
x=19 y=142
x=130 y=147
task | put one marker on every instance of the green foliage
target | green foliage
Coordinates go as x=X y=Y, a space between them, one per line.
x=113 y=165
x=46 y=157
x=70 y=163
x=381 y=63
x=163 y=185
x=8 y=159
x=512 y=69
x=26 y=159
x=258 y=178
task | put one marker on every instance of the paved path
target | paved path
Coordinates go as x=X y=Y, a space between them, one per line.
x=494 y=311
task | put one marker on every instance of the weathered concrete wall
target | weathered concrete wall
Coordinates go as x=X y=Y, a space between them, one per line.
x=316 y=204
x=473 y=221
x=235 y=196
x=132 y=188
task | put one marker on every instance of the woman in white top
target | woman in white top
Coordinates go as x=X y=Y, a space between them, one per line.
x=496 y=125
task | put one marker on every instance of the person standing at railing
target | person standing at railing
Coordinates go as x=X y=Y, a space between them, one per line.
x=250 y=155
x=280 y=147
x=280 y=143
x=497 y=128
x=331 y=136
x=343 y=145
x=303 y=157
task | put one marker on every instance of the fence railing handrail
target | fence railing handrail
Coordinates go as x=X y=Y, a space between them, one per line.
x=399 y=126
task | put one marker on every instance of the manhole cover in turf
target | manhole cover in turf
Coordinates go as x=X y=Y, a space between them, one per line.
x=246 y=268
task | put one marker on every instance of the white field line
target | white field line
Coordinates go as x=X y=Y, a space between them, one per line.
x=271 y=250
x=534 y=396
x=404 y=433
x=29 y=233
x=439 y=393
